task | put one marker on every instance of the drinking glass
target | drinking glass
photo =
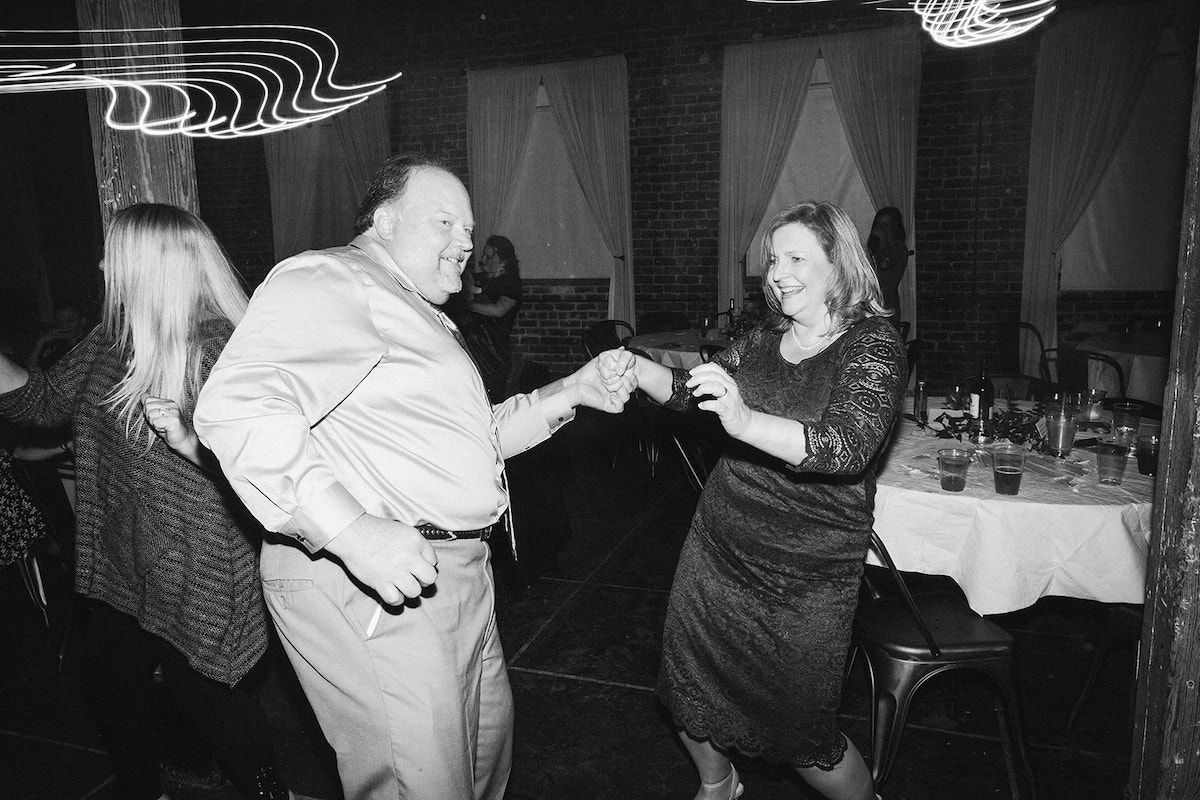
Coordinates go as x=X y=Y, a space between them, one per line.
x=952 y=467
x=954 y=397
x=1067 y=402
x=1008 y=463
x=1093 y=404
x=1110 y=461
x=1060 y=431
x=1147 y=454
x=1126 y=418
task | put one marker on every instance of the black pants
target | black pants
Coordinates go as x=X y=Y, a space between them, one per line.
x=119 y=661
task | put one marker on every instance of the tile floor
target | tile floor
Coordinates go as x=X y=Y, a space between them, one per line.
x=582 y=642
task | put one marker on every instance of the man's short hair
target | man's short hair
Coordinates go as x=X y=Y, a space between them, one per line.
x=390 y=180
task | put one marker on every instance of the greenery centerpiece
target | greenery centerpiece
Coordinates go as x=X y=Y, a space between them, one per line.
x=1016 y=425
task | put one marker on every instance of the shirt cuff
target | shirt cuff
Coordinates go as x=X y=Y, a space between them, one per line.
x=323 y=518
x=556 y=410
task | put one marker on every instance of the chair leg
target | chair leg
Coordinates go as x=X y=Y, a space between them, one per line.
x=693 y=468
x=1010 y=709
x=893 y=687
x=72 y=623
x=1098 y=657
x=31 y=574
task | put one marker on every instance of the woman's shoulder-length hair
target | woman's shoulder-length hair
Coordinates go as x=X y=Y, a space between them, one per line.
x=852 y=293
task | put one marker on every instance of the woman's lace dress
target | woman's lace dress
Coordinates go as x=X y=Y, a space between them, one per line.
x=760 y=613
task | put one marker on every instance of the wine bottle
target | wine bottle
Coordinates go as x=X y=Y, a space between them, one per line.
x=981 y=392
x=921 y=404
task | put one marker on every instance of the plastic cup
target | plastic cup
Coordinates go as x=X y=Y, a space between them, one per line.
x=1147 y=454
x=1008 y=464
x=954 y=398
x=1110 y=461
x=1126 y=418
x=1092 y=406
x=1060 y=431
x=1065 y=402
x=952 y=467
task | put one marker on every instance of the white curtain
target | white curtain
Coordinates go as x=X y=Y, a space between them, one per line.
x=319 y=173
x=876 y=79
x=1128 y=238
x=1090 y=69
x=501 y=104
x=292 y=176
x=761 y=98
x=590 y=103
x=361 y=134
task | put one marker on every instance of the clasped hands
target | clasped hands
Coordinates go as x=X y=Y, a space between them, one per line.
x=712 y=386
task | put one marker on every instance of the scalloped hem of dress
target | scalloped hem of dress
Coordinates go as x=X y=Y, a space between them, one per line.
x=825 y=765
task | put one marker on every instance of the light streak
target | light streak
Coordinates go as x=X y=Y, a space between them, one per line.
x=963 y=23
x=230 y=81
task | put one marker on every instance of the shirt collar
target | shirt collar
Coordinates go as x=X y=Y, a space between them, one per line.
x=373 y=248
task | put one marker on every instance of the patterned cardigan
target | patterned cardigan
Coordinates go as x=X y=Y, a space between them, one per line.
x=156 y=537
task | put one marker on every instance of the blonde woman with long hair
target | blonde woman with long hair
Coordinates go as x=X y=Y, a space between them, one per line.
x=166 y=557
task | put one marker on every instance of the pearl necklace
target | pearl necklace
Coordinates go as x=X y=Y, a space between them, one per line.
x=809 y=347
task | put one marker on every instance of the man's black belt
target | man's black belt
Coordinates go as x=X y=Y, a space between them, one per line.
x=435 y=534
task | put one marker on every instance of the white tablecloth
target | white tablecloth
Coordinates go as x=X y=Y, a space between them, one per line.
x=677 y=349
x=1064 y=534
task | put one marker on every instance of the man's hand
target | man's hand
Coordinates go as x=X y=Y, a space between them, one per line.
x=617 y=369
x=606 y=388
x=392 y=558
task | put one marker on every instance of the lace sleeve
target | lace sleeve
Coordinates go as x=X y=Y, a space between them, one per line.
x=862 y=407
x=680 y=396
x=730 y=359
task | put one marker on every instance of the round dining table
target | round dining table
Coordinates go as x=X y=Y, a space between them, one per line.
x=677 y=349
x=1062 y=534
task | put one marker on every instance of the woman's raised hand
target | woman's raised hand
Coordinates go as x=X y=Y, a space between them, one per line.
x=166 y=420
x=718 y=392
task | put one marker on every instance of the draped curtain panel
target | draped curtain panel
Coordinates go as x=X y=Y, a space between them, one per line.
x=590 y=103
x=876 y=80
x=361 y=134
x=292 y=176
x=319 y=173
x=501 y=104
x=1090 y=69
x=762 y=94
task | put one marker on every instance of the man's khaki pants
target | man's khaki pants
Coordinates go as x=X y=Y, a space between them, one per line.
x=414 y=700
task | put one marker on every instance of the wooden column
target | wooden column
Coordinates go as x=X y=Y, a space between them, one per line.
x=1165 y=763
x=132 y=166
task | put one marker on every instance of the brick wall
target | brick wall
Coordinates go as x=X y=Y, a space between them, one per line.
x=972 y=147
x=976 y=110
x=554 y=315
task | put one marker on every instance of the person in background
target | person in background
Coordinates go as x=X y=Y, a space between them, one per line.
x=68 y=329
x=494 y=309
x=887 y=246
x=21 y=521
x=165 y=554
x=760 y=613
x=349 y=416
